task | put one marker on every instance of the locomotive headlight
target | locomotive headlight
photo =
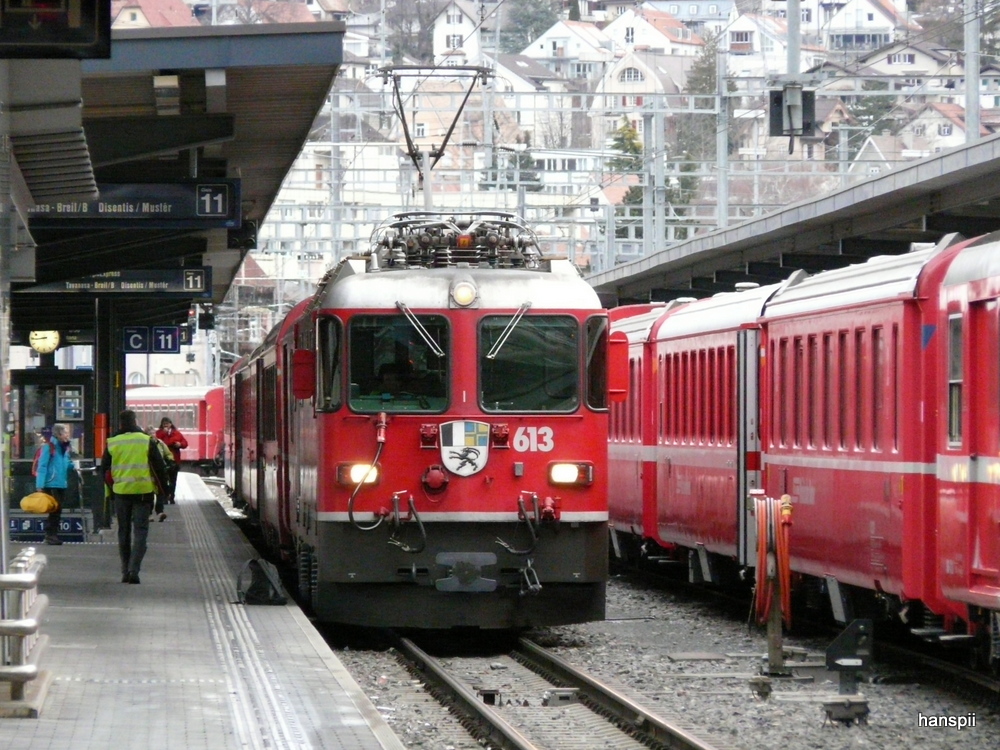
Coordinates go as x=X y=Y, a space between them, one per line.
x=464 y=293
x=351 y=475
x=571 y=473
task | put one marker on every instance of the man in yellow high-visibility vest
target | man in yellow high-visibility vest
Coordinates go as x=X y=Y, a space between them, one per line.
x=134 y=470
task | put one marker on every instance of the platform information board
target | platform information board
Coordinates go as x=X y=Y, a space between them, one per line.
x=188 y=204
x=176 y=282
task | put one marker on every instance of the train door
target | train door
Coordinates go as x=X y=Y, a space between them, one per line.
x=267 y=475
x=240 y=397
x=747 y=441
x=284 y=435
x=983 y=431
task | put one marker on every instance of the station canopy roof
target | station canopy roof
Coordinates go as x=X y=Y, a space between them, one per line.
x=170 y=105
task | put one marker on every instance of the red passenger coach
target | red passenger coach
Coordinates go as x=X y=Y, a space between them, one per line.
x=197 y=411
x=419 y=437
x=869 y=394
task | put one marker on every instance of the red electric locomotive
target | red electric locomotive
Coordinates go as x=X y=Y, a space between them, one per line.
x=868 y=394
x=419 y=436
x=197 y=411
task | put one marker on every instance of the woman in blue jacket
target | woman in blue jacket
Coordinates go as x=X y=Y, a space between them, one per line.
x=54 y=466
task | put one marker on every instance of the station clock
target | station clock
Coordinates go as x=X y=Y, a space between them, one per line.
x=44 y=342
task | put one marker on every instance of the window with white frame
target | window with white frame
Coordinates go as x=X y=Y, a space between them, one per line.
x=693 y=10
x=807 y=15
x=673 y=9
x=739 y=37
x=629 y=35
x=631 y=75
x=766 y=44
x=453 y=17
x=713 y=9
x=944 y=128
x=420 y=130
x=902 y=58
x=919 y=129
x=453 y=41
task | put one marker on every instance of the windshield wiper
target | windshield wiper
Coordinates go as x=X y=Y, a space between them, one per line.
x=508 y=330
x=424 y=333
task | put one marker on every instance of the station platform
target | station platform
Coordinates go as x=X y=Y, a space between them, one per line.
x=176 y=661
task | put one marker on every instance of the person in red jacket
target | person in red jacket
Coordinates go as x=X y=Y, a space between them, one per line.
x=175 y=441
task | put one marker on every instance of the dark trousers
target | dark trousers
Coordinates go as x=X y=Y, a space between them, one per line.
x=172 y=471
x=52 y=526
x=132 y=512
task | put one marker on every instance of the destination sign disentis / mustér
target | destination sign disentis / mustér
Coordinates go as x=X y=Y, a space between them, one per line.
x=186 y=204
x=104 y=209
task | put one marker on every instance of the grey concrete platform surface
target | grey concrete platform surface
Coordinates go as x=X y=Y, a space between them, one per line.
x=176 y=661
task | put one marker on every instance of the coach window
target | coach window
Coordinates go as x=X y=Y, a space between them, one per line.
x=830 y=411
x=955 y=375
x=842 y=389
x=860 y=400
x=878 y=386
x=529 y=363
x=330 y=395
x=597 y=363
x=799 y=401
x=398 y=363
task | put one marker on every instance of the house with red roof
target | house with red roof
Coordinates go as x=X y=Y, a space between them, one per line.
x=939 y=126
x=860 y=26
x=639 y=28
x=145 y=14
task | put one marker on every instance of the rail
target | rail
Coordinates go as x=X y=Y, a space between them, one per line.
x=21 y=611
x=498 y=732
x=631 y=716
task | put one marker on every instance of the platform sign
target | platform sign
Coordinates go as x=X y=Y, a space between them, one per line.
x=135 y=339
x=165 y=340
x=151 y=340
x=186 y=204
x=44 y=29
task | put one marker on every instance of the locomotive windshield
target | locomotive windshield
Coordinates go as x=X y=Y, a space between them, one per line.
x=396 y=365
x=535 y=368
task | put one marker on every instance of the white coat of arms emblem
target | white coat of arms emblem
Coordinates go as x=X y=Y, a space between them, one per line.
x=465 y=446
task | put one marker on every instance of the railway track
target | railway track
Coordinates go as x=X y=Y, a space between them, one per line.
x=532 y=699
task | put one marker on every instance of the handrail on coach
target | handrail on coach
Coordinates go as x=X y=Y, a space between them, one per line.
x=21 y=612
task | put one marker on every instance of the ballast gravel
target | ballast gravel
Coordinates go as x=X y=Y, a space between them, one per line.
x=691 y=664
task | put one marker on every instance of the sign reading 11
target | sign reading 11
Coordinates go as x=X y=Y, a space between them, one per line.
x=213 y=200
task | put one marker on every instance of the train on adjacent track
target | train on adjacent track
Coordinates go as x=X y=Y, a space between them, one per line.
x=870 y=395
x=418 y=438
x=197 y=411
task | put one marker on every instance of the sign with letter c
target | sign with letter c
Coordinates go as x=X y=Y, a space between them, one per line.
x=135 y=339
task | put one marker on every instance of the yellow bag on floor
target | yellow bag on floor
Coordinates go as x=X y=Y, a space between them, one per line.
x=39 y=502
